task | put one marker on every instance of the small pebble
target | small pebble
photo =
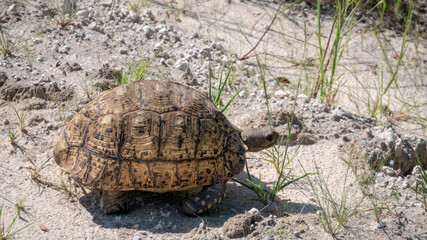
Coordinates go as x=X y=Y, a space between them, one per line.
x=181 y=65
x=270 y=237
x=381 y=225
x=281 y=94
x=253 y=212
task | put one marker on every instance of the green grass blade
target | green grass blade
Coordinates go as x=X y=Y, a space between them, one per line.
x=230 y=101
x=210 y=82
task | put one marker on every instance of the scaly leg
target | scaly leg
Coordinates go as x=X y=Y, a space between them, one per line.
x=204 y=200
x=114 y=202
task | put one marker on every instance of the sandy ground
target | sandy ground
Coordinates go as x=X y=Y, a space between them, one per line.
x=62 y=69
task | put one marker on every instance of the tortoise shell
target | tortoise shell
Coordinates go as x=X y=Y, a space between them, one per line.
x=152 y=136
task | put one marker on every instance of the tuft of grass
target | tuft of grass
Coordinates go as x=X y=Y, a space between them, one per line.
x=223 y=80
x=35 y=170
x=64 y=117
x=336 y=207
x=87 y=88
x=68 y=185
x=134 y=71
x=366 y=182
x=19 y=206
x=21 y=119
x=173 y=12
x=137 y=5
x=264 y=195
x=29 y=56
x=65 y=13
x=376 y=104
x=12 y=135
x=328 y=83
x=335 y=211
x=7 y=231
x=10 y=42
x=262 y=70
x=418 y=114
x=280 y=159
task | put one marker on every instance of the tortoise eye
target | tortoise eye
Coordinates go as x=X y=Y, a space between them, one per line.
x=269 y=137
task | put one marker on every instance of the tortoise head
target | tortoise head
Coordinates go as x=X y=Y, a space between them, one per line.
x=258 y=139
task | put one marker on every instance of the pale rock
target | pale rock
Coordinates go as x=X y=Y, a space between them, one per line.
x=148 y=14
x=82 y=13
x=148 y=32
x=158 y=46
x=380 y=180
x=242 y=93
x=323 y=108
x=388 y=171
x=319 y=116
x=254 y=212
x=40 y=58
x=11 y=9
x=135 y=17
x=64 y=49
x=405 y=184
x=303 y=98
x=106 y=3
x=206 y=52
x=123 y=50
x=283 y=102
x=163 y=31
x=45 y=78
x=174 y=37
x=181 y=64
x=281 y=94
x=217 y=46
x=37 y=40
x=94 y=26
x=416 y=171
x=124 y=12
x=339 y=113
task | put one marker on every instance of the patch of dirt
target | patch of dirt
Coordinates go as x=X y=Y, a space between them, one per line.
x=15 y=91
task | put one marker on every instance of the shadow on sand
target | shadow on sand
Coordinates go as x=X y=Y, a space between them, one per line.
x=158 y=213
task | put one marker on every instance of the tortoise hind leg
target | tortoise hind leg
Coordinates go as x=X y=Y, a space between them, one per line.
x=206 y=199
x=114 y=202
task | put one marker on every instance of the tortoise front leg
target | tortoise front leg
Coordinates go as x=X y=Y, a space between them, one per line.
x=114 y=202
x=206 y=199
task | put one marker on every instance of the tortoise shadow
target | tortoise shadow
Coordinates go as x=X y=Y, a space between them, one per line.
x=159 y=212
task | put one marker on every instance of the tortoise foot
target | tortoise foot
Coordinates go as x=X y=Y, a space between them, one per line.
x=114 y=202
x=204 y=200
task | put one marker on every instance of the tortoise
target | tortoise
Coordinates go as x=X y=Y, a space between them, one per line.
x=155 y=136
